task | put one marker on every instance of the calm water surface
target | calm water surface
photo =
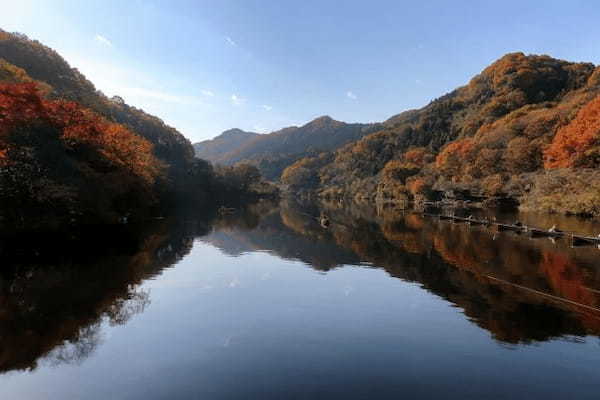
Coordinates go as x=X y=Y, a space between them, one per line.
x=267 y=304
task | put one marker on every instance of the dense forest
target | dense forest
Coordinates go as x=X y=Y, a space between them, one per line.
x=526 y=128
x=68 y=153
x=274 y=152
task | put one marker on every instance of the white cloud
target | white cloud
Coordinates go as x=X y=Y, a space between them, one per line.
x=267 y=107
x=259 y=129
x=237 y=100
x=230 y=41
x=418 y=81
x=351 y=95
x=207 y=93
x=137 y=93
x=102 y=40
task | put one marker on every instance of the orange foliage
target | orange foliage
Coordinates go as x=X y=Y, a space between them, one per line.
x=21 y=105
x=418 y=156
x=569 y=281
x=455 y=152
x=416 y=186
x=3 y=157
x=578 y=143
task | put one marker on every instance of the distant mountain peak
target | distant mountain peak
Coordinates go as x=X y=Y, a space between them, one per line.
x=228 y=140
x=235 y=131
x=324 y=119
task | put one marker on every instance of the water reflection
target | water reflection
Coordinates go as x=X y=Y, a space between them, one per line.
x=56 y=292
x=520 y=289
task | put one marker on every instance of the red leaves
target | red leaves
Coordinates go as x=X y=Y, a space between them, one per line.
x=21 y=105
x=578 y=143
x=453 y=156
x=418 y=156
x=416 y=186
x=3 y=157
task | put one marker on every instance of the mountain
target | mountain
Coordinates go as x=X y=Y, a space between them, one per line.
x=273 y=152
x=45 y=65
x=526 y=127
x=228 y=141
x=70 y=155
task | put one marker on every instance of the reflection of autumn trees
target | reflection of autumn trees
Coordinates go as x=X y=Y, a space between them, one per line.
x=472 y=268
x=569 y=281
x=306 y=241
x=57 y=292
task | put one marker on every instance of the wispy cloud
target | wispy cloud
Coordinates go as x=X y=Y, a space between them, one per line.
x=237 y=100
x=351 y=95
x=230 y=41
x=137 y=92
x=102 y=40
x=207 y=93
x=267 y=107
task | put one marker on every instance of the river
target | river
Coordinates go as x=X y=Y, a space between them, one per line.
x=268 y=304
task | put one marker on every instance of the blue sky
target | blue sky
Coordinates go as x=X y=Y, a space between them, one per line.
x=207 y=66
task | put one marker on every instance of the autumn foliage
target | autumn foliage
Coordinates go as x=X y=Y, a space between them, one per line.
x=21 y=106
x=452 y=157
x=578 y=143
x=57 y=152
x=495 y=138
x=68 y=153
x=418 y=156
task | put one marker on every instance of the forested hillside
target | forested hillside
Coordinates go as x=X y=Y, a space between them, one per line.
x=275 y=151
x=45 y=65
x=527 y=127
x=70 y=154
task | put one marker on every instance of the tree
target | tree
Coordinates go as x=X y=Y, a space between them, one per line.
x=578 y=143
x=57 y=155
x=397 y=170
x=238 y=178
x=300 y=175
x=456 y=154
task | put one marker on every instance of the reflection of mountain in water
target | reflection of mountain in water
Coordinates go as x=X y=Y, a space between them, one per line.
x=312 y=246
x=520 y=289
x=55 y=292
